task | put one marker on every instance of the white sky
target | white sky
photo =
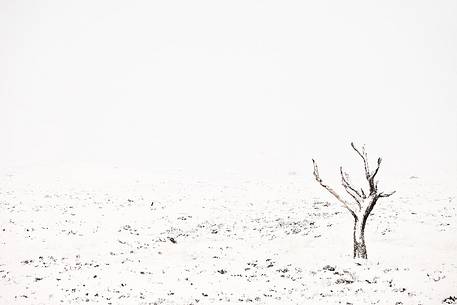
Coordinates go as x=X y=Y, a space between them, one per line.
x=229 y=84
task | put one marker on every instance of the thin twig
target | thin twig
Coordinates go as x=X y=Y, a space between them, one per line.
x=386 y=194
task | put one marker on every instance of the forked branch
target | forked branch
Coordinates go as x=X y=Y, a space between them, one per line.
x=332 y=191
x=348 y=187
x=369 y=175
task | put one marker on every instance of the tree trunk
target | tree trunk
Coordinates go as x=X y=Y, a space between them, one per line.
x=360 y=249
x=363 y=203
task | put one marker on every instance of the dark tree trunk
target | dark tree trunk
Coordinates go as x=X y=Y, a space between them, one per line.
x=360 y=249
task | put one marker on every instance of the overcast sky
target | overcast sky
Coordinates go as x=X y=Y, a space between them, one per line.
x=229 y=84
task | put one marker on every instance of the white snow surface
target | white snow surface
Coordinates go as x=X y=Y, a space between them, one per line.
x=116 y=236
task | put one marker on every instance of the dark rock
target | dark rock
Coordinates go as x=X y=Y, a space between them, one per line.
x=329 y=268
x=450 y=300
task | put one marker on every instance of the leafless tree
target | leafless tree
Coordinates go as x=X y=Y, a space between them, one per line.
x=362 y=202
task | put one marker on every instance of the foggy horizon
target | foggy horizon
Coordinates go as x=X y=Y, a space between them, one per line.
x=229 y=86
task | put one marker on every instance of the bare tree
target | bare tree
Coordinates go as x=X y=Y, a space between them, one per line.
x=362 y=202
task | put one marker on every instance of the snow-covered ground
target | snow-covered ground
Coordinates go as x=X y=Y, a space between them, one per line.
x=112 y=236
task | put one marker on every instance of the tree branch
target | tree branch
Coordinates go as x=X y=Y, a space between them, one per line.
x=349 y=188
x=331 y=191
x=374 y=184
x=386 y=194
x=369 y=175
x=363 y=193
x=376 y=170
x=364 y=157
x=374 y=201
